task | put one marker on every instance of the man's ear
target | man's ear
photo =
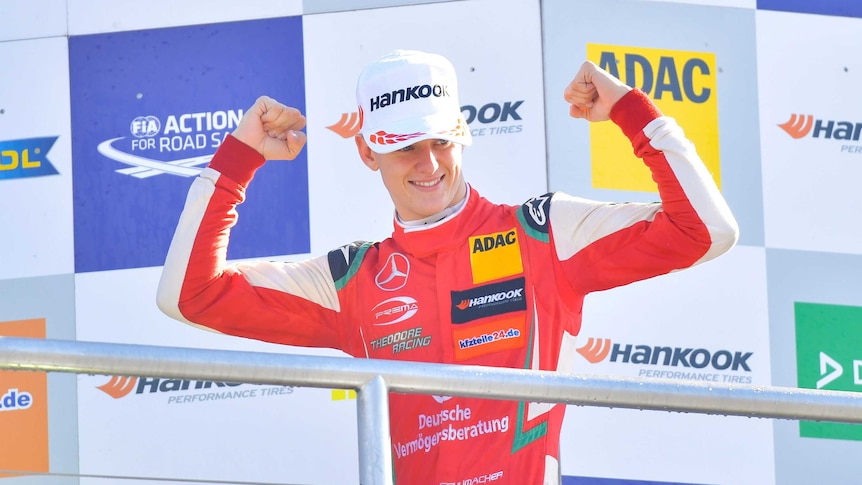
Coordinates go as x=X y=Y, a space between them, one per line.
x=365 y=153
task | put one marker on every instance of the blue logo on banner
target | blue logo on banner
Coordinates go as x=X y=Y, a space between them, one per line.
x=843 y=8
x=26 y=158
x=149 y=110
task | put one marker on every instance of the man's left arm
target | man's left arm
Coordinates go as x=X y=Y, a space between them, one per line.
x=602 y=245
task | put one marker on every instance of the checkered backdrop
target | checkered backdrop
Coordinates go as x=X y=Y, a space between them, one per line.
x=108 y=109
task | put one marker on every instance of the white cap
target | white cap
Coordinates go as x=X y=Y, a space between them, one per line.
x=408 y=96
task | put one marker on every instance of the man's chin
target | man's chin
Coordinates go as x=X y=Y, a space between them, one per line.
x=428 y=210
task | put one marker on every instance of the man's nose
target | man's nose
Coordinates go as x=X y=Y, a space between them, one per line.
x=426 y=162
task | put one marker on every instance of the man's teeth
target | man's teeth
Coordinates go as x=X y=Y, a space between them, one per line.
x=427 y=184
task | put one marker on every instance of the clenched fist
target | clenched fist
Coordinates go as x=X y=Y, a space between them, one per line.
x=272 y=129
x=593 y=92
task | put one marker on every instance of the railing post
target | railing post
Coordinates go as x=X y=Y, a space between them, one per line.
x=375 y=455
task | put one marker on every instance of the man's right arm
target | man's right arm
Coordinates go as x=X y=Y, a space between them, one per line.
x=289 y=303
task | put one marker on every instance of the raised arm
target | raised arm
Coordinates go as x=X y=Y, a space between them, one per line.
x=290 y=303
x=602 y=245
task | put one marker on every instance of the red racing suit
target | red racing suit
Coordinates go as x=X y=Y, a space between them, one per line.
x=493 y=285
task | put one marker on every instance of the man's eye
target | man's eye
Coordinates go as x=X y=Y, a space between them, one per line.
x=443 y=142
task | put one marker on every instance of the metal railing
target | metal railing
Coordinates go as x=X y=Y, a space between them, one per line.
x=374 y=379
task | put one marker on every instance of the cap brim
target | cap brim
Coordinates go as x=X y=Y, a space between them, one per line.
x=399 y=135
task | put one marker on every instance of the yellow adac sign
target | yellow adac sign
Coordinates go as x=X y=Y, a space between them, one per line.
x=494 y=256
x=683 y=86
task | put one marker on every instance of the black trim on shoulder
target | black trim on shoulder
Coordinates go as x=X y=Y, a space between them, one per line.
x=340 y=259
x=536 y=211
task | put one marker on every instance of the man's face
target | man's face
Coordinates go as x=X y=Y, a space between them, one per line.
x=422 y=179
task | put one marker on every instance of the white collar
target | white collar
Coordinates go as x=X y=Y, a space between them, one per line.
x=438 y=216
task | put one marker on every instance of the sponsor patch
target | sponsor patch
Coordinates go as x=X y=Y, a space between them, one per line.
x=409 y=339
x=495 y=256
x=535 y=216
x=488 y=300
x=394 y=310
x=477 y=340
x=393 y=275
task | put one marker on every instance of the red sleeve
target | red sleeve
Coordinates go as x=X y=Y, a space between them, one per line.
x=602 y=245
x=287 y=303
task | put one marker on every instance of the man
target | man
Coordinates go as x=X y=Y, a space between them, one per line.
x=461 y=280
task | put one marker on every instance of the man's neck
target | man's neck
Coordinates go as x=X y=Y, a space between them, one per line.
x=438 y=216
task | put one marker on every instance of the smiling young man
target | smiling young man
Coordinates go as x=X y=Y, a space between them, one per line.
x=461 y=280
x=423 y=178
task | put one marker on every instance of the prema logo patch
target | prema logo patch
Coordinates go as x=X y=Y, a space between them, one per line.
x=394 y=310
x=828 y=356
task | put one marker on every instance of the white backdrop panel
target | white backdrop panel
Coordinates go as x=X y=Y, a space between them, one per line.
x=717 y=3
x=718 y=306
x=98 y=16
x=36 y=219
x=271 y=434
x=496 y=49
x=810 y=183
x=29 y=19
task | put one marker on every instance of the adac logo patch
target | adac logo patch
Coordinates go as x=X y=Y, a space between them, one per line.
x=26 y=158
x=495 y=256
x=683 y=84
x=477 y=340
x=488 y=300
